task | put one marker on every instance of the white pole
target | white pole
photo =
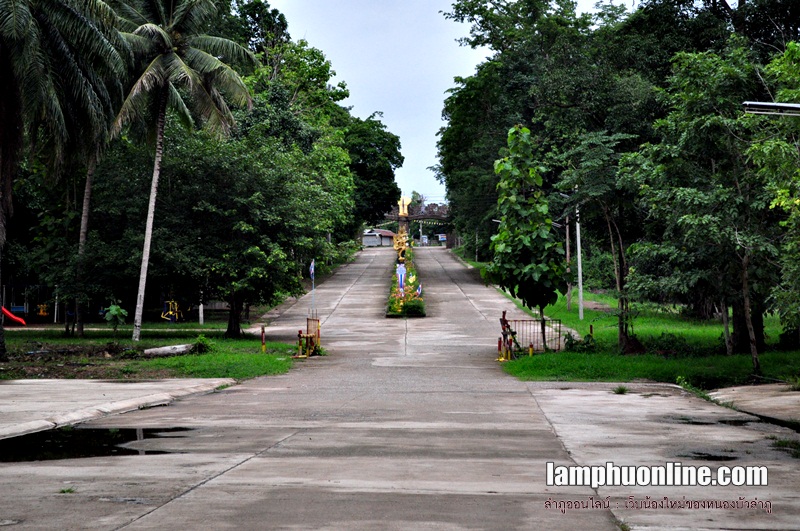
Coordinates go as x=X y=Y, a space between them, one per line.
x=580 y=267
x=313 y=274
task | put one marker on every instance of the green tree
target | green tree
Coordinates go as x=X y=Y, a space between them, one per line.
x=374 y=157
x=590 y=178
x=529 y=260
x=777 y=157
x=704 y=196
x=180 y=70
x=56 y=60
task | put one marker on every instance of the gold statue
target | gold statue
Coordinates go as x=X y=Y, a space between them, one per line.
x=400 y=244
x=403 y=203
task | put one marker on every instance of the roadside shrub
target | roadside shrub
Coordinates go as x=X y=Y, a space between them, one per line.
x=202 y=345
x=587 y=344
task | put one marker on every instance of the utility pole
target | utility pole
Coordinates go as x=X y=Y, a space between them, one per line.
x=569 y=285
x=580 y=267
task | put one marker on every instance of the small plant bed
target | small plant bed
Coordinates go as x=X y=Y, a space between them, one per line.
x=405 y=294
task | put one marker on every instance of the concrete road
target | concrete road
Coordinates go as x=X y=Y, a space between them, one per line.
x=408 y=424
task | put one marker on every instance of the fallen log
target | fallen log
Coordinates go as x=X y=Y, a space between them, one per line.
x=172 y=350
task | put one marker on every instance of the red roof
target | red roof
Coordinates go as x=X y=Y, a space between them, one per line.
x=381 y=232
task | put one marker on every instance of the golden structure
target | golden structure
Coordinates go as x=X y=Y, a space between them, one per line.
x=401 y=243
x=403 y=204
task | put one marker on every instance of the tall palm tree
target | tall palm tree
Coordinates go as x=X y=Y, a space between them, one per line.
x=56 y=60
x=184 y=70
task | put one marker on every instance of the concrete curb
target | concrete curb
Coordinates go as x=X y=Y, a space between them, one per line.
x=112 y=408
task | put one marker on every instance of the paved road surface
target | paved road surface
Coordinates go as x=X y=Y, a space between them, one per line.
x=408 y=424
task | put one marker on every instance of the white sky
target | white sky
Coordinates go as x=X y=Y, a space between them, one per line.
x=398 y=57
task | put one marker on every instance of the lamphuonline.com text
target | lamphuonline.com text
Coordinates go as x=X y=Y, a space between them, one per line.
x=671 y=474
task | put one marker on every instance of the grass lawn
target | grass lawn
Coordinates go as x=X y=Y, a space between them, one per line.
x=46 y=353
x=707 y=373
x=678 y=346
x=239 y=359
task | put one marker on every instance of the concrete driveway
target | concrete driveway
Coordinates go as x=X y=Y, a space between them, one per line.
x=408 y=424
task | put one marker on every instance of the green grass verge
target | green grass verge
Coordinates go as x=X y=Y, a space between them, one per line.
x=678 y=346
x=650 y=322
x=48 y=354
x=703 y=372
x=460 y=252
x=239 y=359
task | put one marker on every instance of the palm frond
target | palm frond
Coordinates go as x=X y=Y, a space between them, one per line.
x=221 y=75
x=134 y=108
x=190 y=16
x=179 y=73
x=139 y=45
x=177 y=104
x=206 y=104
x=130 y=14
x=74 y=87
x=155 y=11
x=156 y=34
x=224 y=49
x=84 y=36
x=28 y=62
x=15 y=19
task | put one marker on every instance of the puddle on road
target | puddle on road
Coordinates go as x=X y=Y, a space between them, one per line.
x=74 y=443
x=705 y=456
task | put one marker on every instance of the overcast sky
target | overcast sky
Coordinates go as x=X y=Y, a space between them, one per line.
x=398 y=57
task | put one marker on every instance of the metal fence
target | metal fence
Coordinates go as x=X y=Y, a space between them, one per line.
x=523 y=337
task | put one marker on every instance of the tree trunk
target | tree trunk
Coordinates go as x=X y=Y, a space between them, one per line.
x=234 y=330
x=740 y=336
x=544 y=330
x=726 y=327
x=620 y=271
x=87 y=198
x=151 y=209
x=747 y=315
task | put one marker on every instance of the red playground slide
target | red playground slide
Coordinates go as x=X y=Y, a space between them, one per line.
x=13 y=317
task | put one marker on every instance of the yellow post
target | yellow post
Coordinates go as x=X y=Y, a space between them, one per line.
x=263 y=341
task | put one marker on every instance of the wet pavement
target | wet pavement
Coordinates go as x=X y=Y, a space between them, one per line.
x=407 y=424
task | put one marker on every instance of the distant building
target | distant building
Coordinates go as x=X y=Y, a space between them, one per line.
x=377 y=238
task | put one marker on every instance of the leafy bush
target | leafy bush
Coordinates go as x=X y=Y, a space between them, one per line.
x=202 y=345
x=115 y=316
x=598 y=270
x=587 y=344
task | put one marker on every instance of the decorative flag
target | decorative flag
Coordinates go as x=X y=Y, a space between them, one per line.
x=311 y=269
x=419 y=290
x=401 y=276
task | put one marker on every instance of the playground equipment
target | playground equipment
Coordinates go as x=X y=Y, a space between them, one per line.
x=524 y=336
x=171 y=311
x=13 y=317
x=308 y=343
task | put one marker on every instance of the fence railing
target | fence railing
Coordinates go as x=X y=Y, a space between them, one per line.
x=523 y=337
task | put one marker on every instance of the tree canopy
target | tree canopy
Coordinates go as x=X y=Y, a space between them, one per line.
x=240 y=214
x=635 y=119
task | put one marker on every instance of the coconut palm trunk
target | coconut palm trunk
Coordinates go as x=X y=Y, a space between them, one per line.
x=181 y=69
x=151 y=210
x=83 y=235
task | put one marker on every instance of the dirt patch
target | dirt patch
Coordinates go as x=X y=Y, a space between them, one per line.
x=79 y=362
x=598 y=306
